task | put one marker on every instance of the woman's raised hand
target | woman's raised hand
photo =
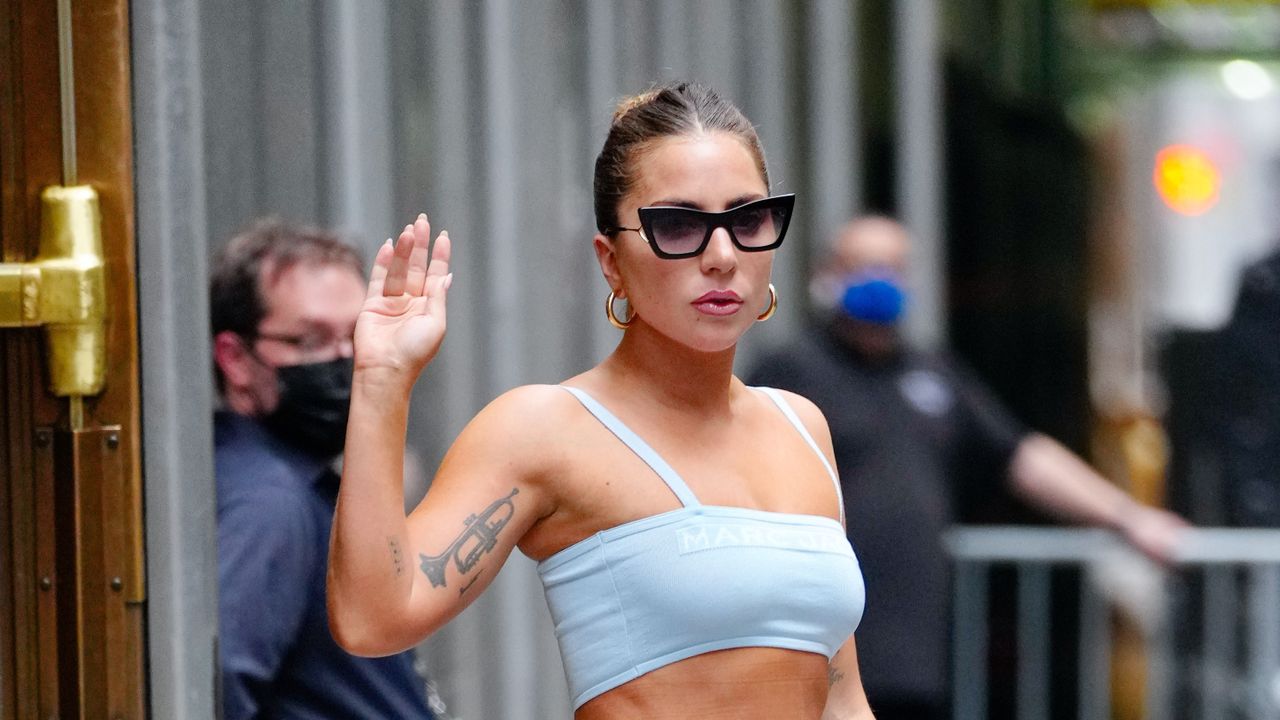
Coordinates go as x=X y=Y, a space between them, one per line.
x=402 y=322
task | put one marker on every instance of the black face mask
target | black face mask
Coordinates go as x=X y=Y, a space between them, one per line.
x=314 y=401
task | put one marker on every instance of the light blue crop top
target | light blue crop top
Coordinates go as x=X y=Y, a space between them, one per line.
x=653 y=591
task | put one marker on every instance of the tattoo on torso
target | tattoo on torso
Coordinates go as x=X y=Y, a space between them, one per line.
x=834 y=676
x=478 y=538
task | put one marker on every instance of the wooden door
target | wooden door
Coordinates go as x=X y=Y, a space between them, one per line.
x=71 y=574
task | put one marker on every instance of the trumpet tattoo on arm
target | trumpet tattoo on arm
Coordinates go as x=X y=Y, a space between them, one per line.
x=479 y=536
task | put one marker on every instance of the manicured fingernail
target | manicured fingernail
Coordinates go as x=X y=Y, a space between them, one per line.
x=448 y=280
x=444 y=233
x=422 y=216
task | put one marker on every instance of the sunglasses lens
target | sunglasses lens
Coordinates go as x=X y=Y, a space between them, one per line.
x=677 y=231
x=758 y=226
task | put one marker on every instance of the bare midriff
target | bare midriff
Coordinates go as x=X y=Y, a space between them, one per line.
x=738 y=684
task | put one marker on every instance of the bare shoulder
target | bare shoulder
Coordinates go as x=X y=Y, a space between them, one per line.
x=809 y=413
x=522 y=426
x=528 y=413
x=514 y=441
x=525 y=399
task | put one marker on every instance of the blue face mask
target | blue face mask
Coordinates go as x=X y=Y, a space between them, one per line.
x=877 y=299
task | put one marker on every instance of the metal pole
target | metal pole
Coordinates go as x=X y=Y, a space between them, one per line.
x=1159 y=690
x=970 y=647
x=920 y=171
x=358 y=180
x=1264 y=646
x=1221 y=605
x=833 y=125
x=1094 y=654
x=177 y=400
x=1033 y=642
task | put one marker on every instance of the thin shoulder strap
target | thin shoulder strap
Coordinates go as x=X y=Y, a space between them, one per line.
x=638 y=446
x=785 y=407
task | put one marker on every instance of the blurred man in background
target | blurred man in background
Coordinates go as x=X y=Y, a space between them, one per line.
x=283 y=304
x=1250 y=384
x=911 y=429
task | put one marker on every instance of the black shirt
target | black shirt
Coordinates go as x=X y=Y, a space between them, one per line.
x=275 y=508
x=1250 y=382
x=914 y=435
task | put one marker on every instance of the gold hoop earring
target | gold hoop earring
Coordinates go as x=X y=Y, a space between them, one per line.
x=773 y=305
x=613 y=319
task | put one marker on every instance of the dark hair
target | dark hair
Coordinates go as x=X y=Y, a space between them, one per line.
x=256 y=258
x=682 y=108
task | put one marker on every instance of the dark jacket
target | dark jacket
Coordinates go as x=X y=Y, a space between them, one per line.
x=1250 y=382
x=275 y=508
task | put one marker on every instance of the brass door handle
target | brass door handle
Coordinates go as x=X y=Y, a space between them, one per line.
x=63 y=290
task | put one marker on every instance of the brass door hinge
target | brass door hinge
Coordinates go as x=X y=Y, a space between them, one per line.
x=63 y=290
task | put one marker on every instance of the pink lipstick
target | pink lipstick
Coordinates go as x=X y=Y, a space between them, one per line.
x=718 y=302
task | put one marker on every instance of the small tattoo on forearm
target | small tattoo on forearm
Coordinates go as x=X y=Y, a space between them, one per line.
x=397 y=557
x=467 y=587
x=478 y=538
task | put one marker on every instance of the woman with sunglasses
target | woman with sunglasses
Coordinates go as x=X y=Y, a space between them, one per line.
x=688 y=528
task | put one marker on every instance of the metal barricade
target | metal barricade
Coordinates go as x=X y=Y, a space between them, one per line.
x=1212 y=639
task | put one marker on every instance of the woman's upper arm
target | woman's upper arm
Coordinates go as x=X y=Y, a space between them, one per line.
x=489 y=490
